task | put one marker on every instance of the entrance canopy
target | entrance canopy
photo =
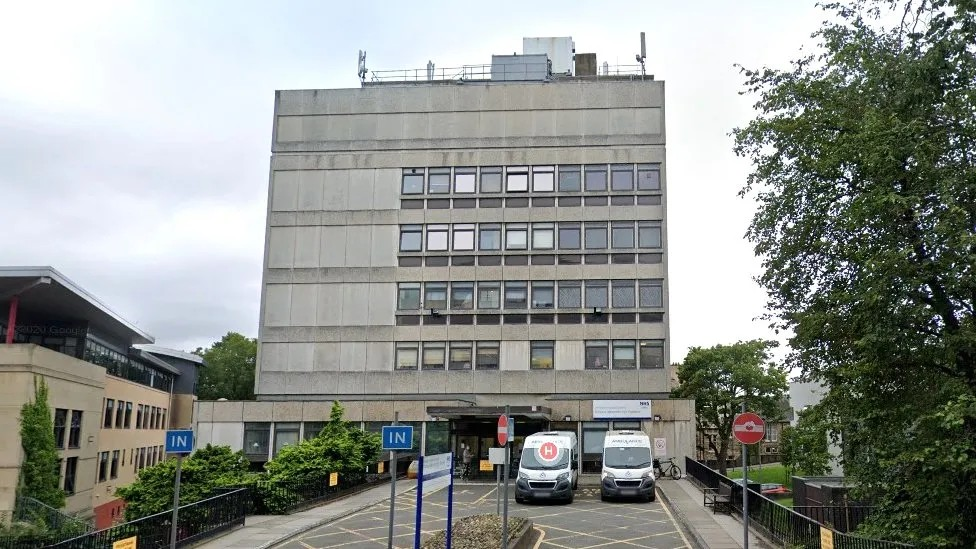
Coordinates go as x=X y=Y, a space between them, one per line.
x=488 y=412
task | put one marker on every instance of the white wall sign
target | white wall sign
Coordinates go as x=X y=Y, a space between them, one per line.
x=622 y=409
x=661 y=447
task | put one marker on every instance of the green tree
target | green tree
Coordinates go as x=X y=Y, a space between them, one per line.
x=864 y=171
x=39 y=475
x=804 y=447
x=229 y=369
x=203 y=471
x=721 y=378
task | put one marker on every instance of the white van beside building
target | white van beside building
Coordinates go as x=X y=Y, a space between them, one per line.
x=628 y=468
x=549 y=467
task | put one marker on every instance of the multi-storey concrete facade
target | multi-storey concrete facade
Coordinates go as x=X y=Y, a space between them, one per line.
x=444 y=248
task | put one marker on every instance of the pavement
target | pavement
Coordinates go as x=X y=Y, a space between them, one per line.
x=678 y=519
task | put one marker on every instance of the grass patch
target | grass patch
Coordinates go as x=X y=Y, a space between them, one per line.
x=772 y=473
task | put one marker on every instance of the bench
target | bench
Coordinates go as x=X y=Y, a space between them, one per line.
x=720 y=497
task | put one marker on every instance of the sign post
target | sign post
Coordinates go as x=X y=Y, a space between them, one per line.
x=503 y=439
x=179 y=442
x=434 y=473
x=747 y=428
x=497 y=458
x=395 y=437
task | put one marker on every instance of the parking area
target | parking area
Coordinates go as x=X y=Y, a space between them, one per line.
x=587 y=523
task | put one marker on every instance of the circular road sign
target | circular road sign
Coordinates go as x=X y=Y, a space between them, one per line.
x=748 y=428
x=547 y=452
x=503 y=429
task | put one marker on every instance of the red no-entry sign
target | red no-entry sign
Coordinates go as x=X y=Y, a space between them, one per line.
x=748 y=428
x=503 y=429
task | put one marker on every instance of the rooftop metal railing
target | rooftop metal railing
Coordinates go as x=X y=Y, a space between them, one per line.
x=484 y=73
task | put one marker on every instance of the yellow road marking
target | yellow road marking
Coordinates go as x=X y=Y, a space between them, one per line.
x=542 y=536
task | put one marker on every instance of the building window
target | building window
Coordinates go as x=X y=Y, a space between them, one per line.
x=413 y=181
x=651 y=293
x=542 y=179
x=464 y=237
x=490 y=237
x=487 y=358
x=70 y=473
x=142 y=457
x=624 y=357
x=649 y=234
x=152 y=417
x=408 y=296
x=596 y=177
x=597 y=355
x=139 y=417
x=162 y=420
x=462 y=295
x=433 y=356
x=541 y=357
x=436 y=238
x=623 y=293
x=108 y=416
x=489 y=295
x=120 y=414
x=542 y=295
x=652 y=354
x=649 y=177
x=464 y=180
x=439 y=180
x=569 y=178
x=60 y=425
x=622 y=177
x=102 y=466
x=570 y=296
x=406 y=356
x=460 y=358
x=411 y=238
x=491 y=180
x=515 y=295
x=312 y=429
x=257 y=439
x=74 y=434
x=623 y=234
x=516 y=237
x=569 y=236
x=435 y=295
x=542 y=236
x=517 y=179
x=115 y=465
x=596 y=236
x=285 y=434
x=596 y=293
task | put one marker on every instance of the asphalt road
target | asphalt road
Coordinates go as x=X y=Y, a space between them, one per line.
x=587 y=523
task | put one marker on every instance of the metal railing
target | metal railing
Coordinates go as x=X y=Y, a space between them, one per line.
x=842 y=518
x=485 y=73
x=783 y=524
x=197 y=521
x=281 y=498
x=35 y=524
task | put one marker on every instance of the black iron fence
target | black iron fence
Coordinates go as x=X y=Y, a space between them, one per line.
x=279 y=498
x=197 y=521
x=786 y=525
x=34 y=524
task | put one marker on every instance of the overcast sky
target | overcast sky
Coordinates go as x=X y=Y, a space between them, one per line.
x=135 y=136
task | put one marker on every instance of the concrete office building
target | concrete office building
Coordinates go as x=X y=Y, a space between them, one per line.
x=442 y=247
x=112 y=392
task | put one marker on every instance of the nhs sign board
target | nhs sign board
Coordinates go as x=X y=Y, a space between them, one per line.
x=397 y=437
x=179 y=442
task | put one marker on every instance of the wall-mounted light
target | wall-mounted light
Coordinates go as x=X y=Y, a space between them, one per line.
x=597 y=310
x=435 y=312
x=657 y=418
x=567 y=418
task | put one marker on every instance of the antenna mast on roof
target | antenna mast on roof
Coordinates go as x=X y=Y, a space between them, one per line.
x=362 y=67
x=642 y=55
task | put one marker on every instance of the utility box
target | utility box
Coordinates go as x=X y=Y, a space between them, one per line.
x=560 y=50
x=585 y=64
x=520 y=67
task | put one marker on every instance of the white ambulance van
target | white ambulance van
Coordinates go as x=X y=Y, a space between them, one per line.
x=549 y=467
x=628 y=468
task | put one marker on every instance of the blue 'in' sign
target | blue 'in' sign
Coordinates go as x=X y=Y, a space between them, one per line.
x=397 y=437
x=179 y=442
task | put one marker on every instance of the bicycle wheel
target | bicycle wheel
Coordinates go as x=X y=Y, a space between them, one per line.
x=675 y=472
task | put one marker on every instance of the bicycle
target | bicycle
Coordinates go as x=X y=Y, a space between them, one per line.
x=668 y=468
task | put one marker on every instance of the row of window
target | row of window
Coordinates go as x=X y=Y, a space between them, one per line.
x=139 y=458
x=61 y=425
x=598 y=235
x=521 y=179
x=535 y=201
x=597 y=316
x=120 y=417
x=625 y=354
x=544 y=294
x=120 y=365
x=522 y=259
